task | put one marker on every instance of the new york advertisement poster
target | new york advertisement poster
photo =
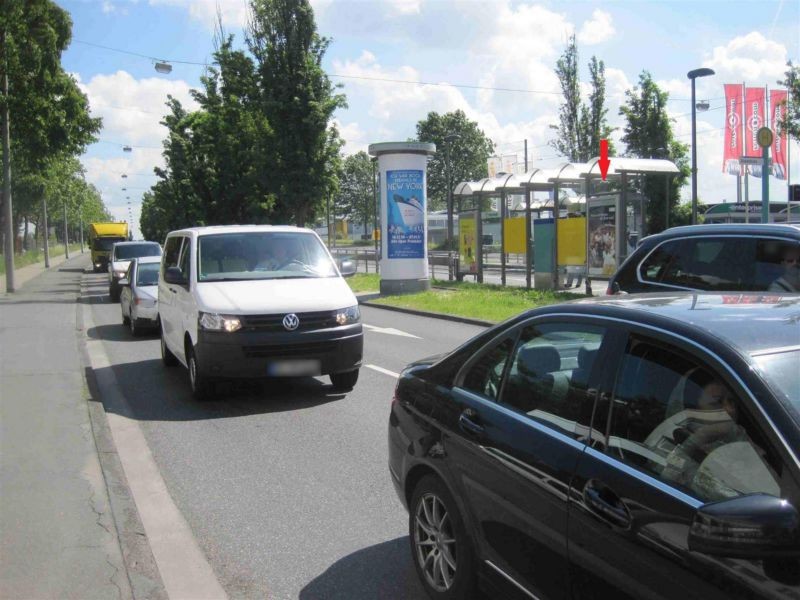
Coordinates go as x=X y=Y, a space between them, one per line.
x=405 y=196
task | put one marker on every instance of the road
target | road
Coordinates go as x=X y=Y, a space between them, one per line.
x=285 y=487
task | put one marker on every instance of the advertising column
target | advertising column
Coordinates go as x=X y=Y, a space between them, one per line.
x=404 y=226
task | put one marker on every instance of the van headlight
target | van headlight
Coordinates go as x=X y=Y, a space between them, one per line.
x=215 y=322
x=348 y=315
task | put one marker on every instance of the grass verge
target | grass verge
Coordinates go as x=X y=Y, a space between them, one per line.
x=477 y=301
x=364 y=282
x=36 y=255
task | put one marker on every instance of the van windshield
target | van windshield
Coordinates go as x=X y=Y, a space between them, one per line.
x=262 y=255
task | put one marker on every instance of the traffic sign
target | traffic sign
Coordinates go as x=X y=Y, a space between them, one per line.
x=764 y=137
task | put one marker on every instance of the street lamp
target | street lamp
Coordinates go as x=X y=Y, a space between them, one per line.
x=449 y=139
x=163 y=67
x=127 y=149
x=704 y=72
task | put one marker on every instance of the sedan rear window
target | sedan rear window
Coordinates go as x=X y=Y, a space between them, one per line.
x=781 y=370
x=147 y=274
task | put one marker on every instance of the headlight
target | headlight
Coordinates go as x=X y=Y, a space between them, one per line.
x=215 y=322
x=348 y=315
x=119 y=274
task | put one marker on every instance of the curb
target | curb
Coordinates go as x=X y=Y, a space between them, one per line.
x=421 y=313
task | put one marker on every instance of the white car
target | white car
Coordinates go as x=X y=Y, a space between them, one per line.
x=139 y=296
x=120 y=259
x=257 y=301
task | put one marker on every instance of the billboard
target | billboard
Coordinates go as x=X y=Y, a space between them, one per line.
x=405 y=194
x=777 y=103
x=754 y=118
x=602 y=240
x=468 y=242
x=733 y=129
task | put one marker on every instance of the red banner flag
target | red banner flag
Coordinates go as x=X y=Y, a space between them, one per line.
x=777 y=106
x=733 y=129
x=754 y=114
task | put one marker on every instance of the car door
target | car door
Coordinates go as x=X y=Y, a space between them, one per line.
x=125 y=297
x=167 y=293
x=525 y=407
x=638 y=487
x=185 y=310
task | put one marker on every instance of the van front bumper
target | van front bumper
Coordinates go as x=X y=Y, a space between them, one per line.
x=252 y=354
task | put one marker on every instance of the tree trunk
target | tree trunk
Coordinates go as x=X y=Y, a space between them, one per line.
x=25 y=236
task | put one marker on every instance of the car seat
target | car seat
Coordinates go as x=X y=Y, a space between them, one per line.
x=537 y=378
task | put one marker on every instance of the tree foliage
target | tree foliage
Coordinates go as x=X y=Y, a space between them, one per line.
x=581 y=126
x=648 y=134
x=468 y=153
x=791 y=122
x=356 y=197
x=260 y=148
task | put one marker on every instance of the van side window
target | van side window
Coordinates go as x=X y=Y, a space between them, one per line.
x=187 y=247
x=172 y=252
x=703 y=263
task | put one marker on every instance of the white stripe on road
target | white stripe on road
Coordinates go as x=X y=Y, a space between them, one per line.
x=384 y=371
x=184 y=569
x=390 y=331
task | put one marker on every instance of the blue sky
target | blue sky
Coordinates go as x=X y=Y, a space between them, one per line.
x=492 y=43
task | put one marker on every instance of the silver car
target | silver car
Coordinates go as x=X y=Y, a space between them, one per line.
x=139 y=295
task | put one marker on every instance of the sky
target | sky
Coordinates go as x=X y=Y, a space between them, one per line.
x=440 y=55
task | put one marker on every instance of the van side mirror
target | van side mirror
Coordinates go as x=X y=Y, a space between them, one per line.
x=124 y=282
x=175 y=275
x=347 y=267
x=757 y=526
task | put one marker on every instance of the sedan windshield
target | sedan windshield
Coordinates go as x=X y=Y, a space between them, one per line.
x=147 y=274
x=262 y=255
x=781 y=370
x=129 y=251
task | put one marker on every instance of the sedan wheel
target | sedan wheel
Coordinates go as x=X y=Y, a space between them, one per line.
x=442 y=551
x=135 y=331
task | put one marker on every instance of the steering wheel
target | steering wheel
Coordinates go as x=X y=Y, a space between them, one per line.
x=493 y=384
x=292 y=263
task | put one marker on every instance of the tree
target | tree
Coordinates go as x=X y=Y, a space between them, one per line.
x=298 y=100
x=580 y=127
x=468 y=153
x=791 y=122
x=43 y=112
x=648 y=134
x=356 y=193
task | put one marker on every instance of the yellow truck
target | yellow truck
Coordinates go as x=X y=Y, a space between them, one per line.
x=101 y=237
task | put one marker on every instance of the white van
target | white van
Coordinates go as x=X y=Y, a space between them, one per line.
x=246 y=301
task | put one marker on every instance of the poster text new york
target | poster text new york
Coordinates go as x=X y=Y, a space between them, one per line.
x=405 y=195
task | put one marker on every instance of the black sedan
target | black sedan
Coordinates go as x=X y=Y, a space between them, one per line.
x=626 y=447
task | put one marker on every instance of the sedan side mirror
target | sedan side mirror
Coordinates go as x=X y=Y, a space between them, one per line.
x=347 y=267
x=175 y=275
x=756 y=526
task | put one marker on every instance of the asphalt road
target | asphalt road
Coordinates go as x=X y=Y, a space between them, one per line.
x=285 y=487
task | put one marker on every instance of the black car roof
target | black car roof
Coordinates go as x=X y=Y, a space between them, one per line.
x=789 y=230
x=751 y=322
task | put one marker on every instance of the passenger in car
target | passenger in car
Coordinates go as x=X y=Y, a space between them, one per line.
x=790 y=280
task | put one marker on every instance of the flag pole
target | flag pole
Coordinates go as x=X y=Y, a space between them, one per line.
x=744 y=147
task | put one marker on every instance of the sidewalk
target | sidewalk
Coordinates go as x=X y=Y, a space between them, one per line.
x=25 y=274
x=57 y=536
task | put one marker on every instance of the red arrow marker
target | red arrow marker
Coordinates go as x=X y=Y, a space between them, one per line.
x=604 y=162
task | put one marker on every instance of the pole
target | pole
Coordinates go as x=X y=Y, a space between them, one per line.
x=765 y=184
x=502 y=237
x=66 y=238
x=81 y=230
x=746 y=197
x=556 y=210
x=46 y=234
x=694 y=160
x=746 y=168
x=526 y=156
x=666 y=215
x=528 y=236
x=328 y=218
x=375 y=213
x=8 y=213
x=448 y=177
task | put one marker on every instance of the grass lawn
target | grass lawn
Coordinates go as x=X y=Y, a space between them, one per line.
x=364 y=282
x=36 y=255
x=478 y=301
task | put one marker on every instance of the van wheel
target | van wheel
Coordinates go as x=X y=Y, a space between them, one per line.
x=126 y=320
x=441 y=549
x=135 y=331
x=202 y=388
x=344 y=381
x=167 y=357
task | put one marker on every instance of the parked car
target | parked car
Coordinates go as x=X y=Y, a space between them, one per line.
x=719 y=257
x=621 y=447
x=139 y=296
x=121 y=255
x=257 y=301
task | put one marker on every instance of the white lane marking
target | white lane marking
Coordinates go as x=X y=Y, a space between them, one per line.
x=390 y=331
x=184 y=568
x=384 y=371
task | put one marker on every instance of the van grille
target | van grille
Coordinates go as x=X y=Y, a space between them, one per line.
x=308 y=321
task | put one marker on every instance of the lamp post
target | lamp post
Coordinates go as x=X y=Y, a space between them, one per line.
x=694 y=75
x=450 y=138
x=66 y=239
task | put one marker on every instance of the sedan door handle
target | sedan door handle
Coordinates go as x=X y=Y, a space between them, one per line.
x=467 y=421
x=606 y=504
x=173 y=290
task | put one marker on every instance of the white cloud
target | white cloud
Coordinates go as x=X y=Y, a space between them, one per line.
x=234 y=12
x=404 y=7
x=751 y=58
x=597 y=30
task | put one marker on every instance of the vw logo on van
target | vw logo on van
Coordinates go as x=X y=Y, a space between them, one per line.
x=290 y=322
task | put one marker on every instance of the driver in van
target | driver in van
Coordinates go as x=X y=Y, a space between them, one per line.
x=790 y=280
x=272 y=256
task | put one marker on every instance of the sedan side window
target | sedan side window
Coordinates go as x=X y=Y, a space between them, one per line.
x=549 y=375
x=680 y=422
x=486 y=374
